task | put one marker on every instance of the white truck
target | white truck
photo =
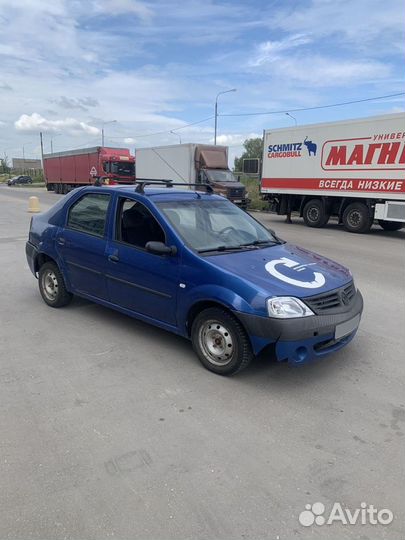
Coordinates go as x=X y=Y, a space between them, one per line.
x=354 y=169
x=191 y=164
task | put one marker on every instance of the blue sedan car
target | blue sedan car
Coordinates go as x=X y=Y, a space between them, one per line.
x=197 y=265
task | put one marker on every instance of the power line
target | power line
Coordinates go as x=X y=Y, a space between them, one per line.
x=139 y=136
x=317 y=107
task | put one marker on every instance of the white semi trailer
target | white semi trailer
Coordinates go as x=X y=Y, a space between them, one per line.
x=191 y=164
x=354 y=169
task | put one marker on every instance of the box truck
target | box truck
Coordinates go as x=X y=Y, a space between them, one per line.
x=191 y=164
x=64 y=171
x=354 y=169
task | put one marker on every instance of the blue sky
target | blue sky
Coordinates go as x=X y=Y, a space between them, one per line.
x=67 y=66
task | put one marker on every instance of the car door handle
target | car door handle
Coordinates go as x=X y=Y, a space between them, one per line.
x=113 y=258
x=61 y=241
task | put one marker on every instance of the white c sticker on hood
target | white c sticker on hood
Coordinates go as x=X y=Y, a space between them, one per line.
x=319 y=279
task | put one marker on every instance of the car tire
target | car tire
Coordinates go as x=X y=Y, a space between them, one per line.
x=314 y=214
x=390 y=225
x=357 y=218
x=220 y=342
x=52 y=286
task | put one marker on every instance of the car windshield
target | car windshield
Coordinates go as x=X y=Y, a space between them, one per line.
x=215 y=226
x=218 y=175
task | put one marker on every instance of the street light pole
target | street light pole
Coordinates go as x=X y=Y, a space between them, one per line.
x=216 y=111
x=52 y=138
x=102 y=130
x=291 y=116
x=177 y=134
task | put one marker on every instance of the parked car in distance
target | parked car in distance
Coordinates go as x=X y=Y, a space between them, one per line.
x=194 y=264
x=22 y=179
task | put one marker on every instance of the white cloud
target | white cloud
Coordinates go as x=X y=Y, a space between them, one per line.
x=75 y=103
x=361 y=22
x=322 y=71
x=129 y=140
x=270 y=50
x=123 y=7
x=35 y=122
x=235 y=139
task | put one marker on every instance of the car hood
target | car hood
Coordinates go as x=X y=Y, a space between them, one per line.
x=284 y=269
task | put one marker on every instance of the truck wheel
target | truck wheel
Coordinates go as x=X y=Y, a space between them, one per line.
x=314 y=214
x=356 y=218
x=390 y=225
x=52 y=286
x=220 y=342
x=49 y=187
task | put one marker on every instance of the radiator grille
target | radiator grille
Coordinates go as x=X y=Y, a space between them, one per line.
x=235 y=192
x=338 y=298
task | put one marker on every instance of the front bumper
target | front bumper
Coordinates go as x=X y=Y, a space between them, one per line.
x=302 y=340
x=243 y=202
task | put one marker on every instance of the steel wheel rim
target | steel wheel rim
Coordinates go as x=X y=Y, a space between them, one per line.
x=50 y=285
x=216 y=343
x=354 y=218
x=313 y=214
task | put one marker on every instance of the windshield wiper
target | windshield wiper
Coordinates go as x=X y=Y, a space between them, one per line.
x=222 y=248
x=262 y=243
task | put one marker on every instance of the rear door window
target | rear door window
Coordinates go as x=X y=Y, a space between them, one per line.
x=89 y=214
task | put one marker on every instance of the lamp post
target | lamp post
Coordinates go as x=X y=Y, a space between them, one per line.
x=291 y=116
x=102 y=130
x=216 y=111
x=177 y=134
x=52 y=138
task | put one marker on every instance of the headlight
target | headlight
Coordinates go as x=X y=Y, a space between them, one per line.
x=287 y=307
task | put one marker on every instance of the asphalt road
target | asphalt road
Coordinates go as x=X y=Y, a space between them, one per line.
x=112 y=428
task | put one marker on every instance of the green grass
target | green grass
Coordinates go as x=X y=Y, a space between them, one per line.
x=33 y=185
x=253 y=188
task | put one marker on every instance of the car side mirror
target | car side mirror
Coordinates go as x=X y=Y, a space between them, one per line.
x=159 y=248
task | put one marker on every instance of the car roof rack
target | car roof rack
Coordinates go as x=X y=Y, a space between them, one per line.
x=141 y=183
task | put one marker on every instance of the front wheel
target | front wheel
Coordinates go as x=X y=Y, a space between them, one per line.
x=357 y=218
x=314 y=214
x=52 y=286
x=220 y=342
x=390 y=225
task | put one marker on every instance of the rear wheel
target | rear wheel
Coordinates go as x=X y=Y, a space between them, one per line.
x=314 y=214
x=390 y=225
x=220 y=342
x=357 y=218
x=52 y=286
